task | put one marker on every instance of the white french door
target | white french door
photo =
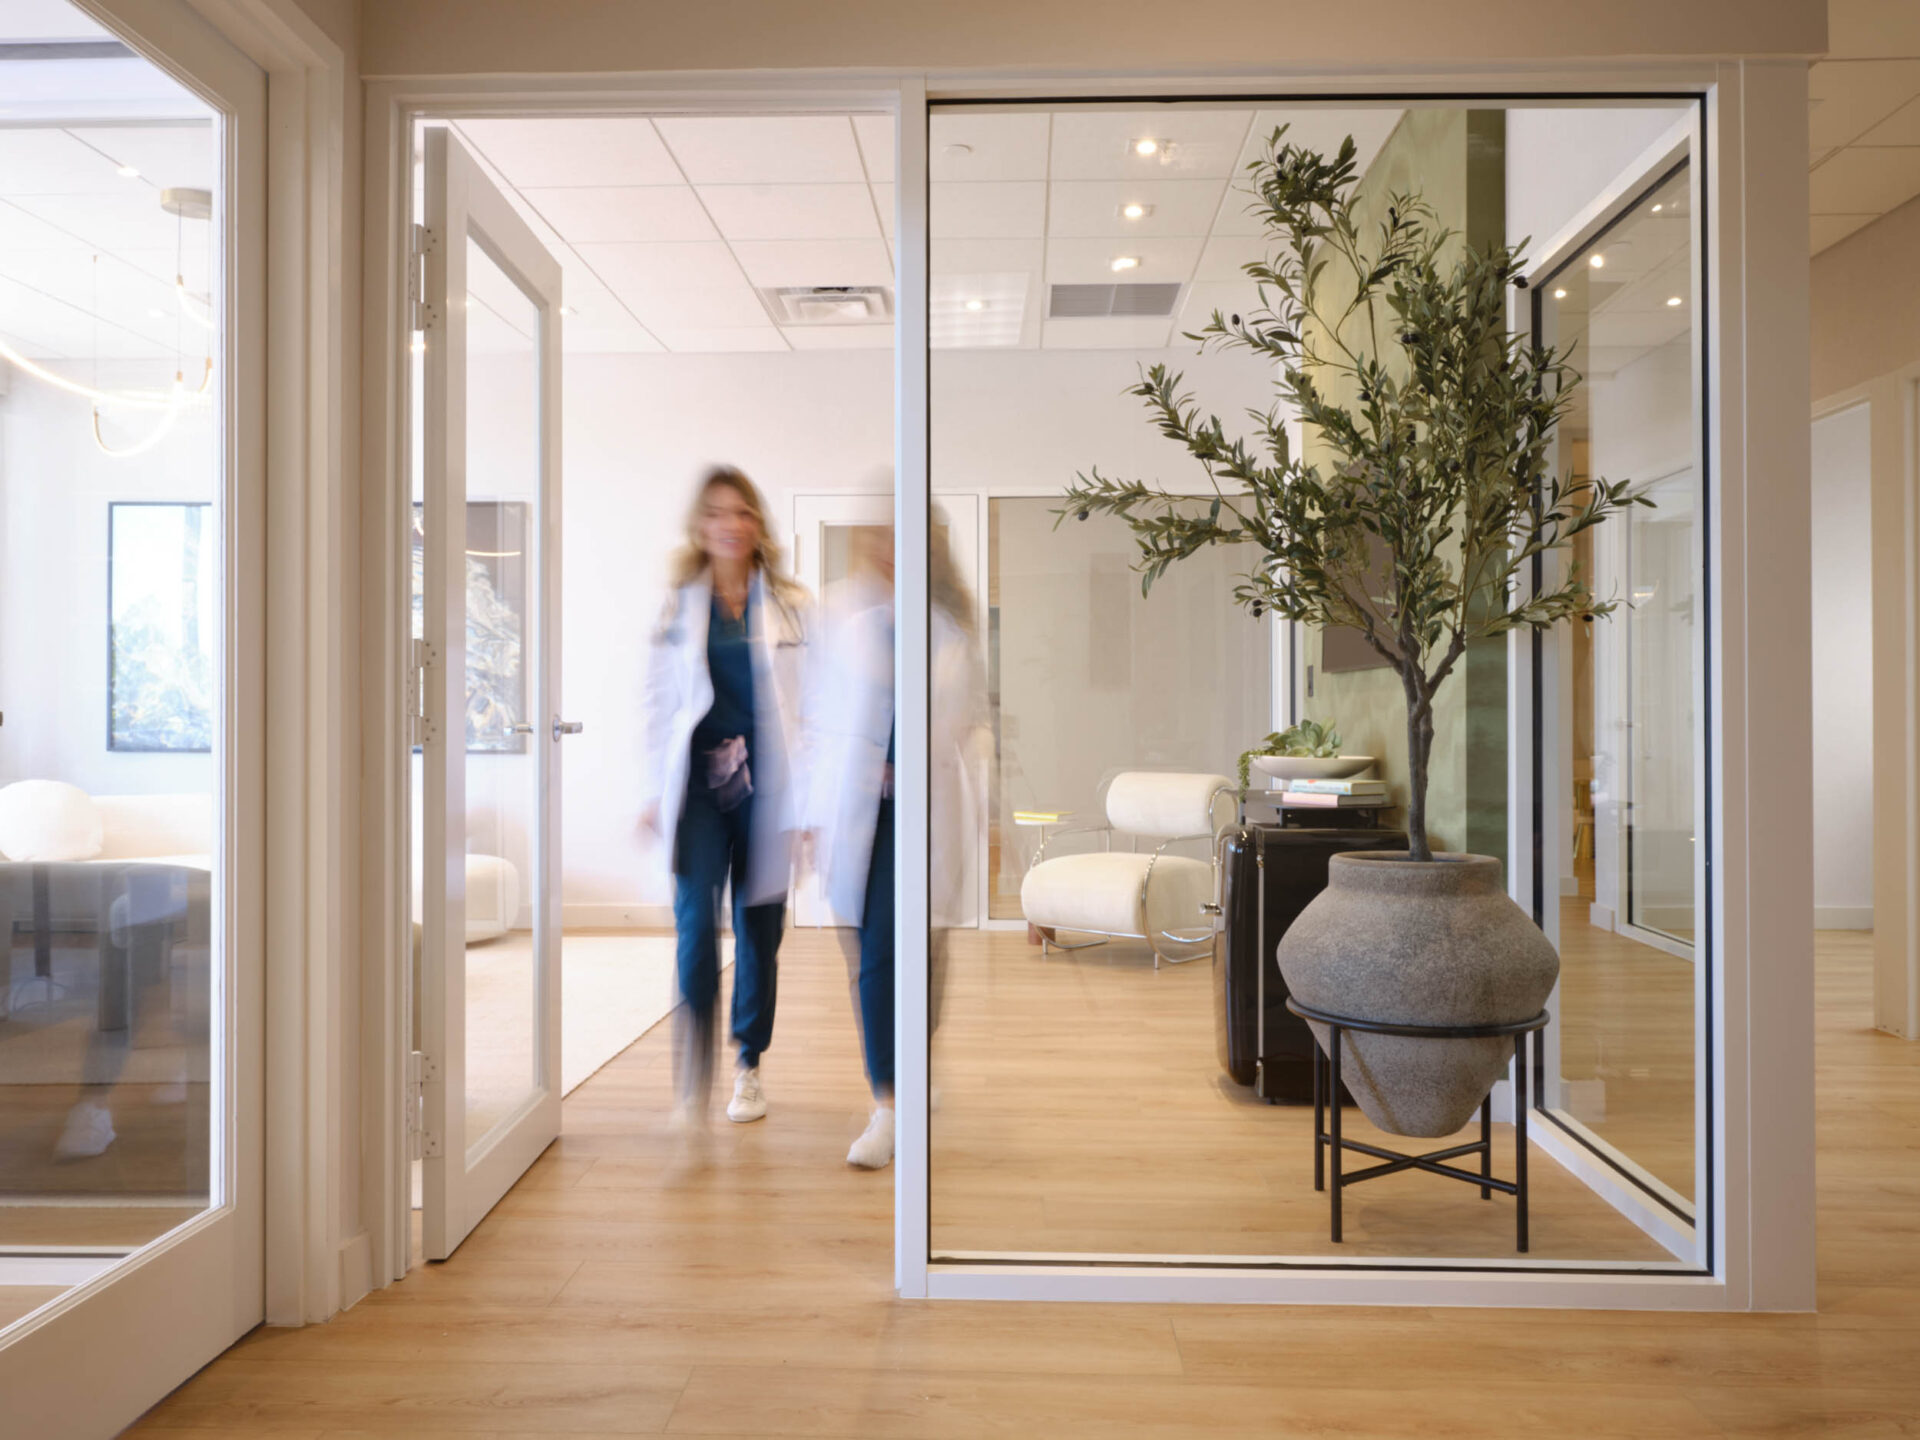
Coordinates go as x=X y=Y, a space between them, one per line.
x=140 y=1002
x=488 y=538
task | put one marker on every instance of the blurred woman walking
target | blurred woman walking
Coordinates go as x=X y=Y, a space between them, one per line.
x=722 y=715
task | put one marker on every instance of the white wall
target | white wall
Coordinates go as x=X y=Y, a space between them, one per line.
x=55 y=487
x=639 y=429
x=1842 y=672
x=1559 y=160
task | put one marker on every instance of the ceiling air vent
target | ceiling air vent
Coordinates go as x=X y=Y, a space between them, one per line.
x=829 y=304
x=1082 y=302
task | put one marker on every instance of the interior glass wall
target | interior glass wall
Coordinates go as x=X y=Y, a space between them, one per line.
x=113 y=588
x=1624 y=842
x=1089 y=1098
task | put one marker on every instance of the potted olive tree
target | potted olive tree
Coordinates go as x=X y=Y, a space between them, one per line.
x=1417 y=522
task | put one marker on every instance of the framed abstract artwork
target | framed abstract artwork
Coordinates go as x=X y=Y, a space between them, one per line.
x=496 y=620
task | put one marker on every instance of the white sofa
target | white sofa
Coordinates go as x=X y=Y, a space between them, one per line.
x=493 y=895
x=67 y=852
x=1148 y=895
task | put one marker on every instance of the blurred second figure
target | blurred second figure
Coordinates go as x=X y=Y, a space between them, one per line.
x=851 y=740
x=722 y=717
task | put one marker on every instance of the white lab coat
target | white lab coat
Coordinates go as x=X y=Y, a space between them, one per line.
x=679 y=692
x=849 y=719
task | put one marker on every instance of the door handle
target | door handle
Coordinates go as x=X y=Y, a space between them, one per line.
x=565 y=727
x=522 y=730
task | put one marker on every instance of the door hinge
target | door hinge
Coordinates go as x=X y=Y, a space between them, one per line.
x=422 y=315
x=422 y=1143
x=420 y=729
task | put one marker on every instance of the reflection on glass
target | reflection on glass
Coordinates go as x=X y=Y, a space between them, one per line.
x=504 y=1020
x=112 y=578
x=1621 y=868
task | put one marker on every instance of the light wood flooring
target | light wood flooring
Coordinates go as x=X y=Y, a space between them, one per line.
x=620 y=1290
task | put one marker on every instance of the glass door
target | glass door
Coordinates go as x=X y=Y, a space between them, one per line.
x=488 y=1063
x=132 y=237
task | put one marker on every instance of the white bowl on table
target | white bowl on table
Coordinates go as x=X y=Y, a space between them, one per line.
x=1312 y=767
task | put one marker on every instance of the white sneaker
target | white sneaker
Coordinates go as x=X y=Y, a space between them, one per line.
x=749 y=1100
x=89 y=1132
x=874 y=1149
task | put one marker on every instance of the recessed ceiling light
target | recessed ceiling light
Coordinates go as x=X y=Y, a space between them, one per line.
x=976 y=304
x=129 y=171
x=1146 y=146
x=1598 y=262
x=1673 y=300
x=1658 y=208
x=419 y=347
x=1135 y=211
x=1559 y=294
x=568 y=310
x=1126 y=262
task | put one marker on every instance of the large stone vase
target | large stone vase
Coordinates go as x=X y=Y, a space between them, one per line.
x=1428 y=942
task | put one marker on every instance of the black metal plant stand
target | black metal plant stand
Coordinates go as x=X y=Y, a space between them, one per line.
x=1326 y=1083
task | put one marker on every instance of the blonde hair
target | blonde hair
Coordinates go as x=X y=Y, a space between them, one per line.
x=945 y=588
x=691 y=560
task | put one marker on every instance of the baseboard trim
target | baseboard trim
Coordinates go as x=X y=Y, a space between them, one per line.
x=616 y=917
x=356 y=1269
x=1843 y=917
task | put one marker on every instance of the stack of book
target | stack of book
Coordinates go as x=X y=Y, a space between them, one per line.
x=1336 y=794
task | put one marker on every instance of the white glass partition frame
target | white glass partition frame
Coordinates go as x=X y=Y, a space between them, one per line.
x=1538 y=782
x=173 y=1304
x=1695 y=1274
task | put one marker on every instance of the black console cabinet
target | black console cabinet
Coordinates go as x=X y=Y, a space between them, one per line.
x=1269 y=874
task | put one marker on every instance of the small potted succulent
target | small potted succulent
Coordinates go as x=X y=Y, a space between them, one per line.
x=1308 y=750
x=1435 y=426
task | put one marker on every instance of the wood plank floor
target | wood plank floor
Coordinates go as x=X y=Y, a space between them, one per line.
x=620 y=1290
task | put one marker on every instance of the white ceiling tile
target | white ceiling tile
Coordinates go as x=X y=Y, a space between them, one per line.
x=1831 y=229
x=815 y=262
x=792 y=212
x=883 y=206
x=1851 y=97
x=690 y=285
x=987 y=210
x=1099 y=144
x=1224 y=260
x=1857 y=180
x=1200 y=301
x=953 y=257
x=1084 y=262
x=52 y=162
x=969 y=145
x=983 y=311
x=1900 y=128
x=1110 y=333
x=586 y=214
x=1093 y=207
x=1873 y=27
x=568 y=150
x=131 y=218
x=764 y=149
x=165 y=155
x=48 y=20
x=710 y=339
x=839 y=337
x=1313 y=127
x=875 y=134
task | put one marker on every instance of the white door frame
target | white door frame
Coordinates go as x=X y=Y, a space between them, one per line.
x=1759 y=1020
x=175 y=1303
